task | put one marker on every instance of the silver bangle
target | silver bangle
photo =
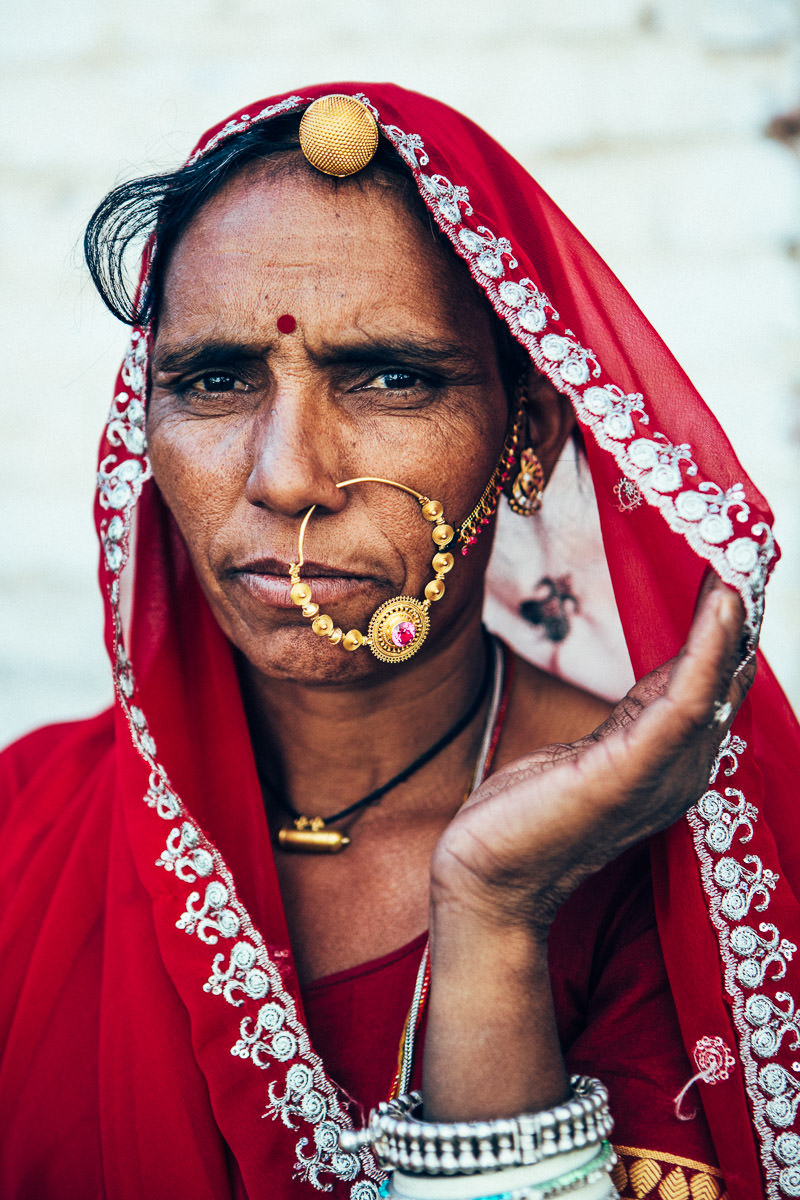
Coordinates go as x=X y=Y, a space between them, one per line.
x=591 y=1178
x=401 y=1140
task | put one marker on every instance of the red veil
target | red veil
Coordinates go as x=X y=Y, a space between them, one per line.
x=141 y=914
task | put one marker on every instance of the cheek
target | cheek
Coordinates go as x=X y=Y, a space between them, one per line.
x=197 y=479
x=451 y=452
x=461 y=462
x=450 y=462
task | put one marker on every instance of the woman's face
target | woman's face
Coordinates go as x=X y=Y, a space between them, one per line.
x=384 y=363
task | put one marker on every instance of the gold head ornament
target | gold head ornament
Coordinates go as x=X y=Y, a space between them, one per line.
x=338 y=135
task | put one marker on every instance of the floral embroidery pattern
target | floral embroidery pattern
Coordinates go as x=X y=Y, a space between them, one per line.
x=120 y=477
x=273 y=1034
x=410 y=147
x=447 y=198
x=628 y=495
x=759 y=953
x=210 y=917
x=239 y=124
x=241 y=974
x=713 y=1059
x=184 y=855
x=721 y=821
x=486 y=250
x=532 y=306
x=265 y=1038
x=714 y=1063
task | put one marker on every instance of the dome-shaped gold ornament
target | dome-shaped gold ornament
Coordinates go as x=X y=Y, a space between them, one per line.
x=338 y=135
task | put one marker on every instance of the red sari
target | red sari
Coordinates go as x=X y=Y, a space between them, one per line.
x=156 y=1042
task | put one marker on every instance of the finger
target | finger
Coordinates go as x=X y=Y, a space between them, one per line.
x=671 y=705
x=665 y=713
x=672 y=710
x=679 y=733
x=702 y=673
x=656 y=682
x=743 y=654
x=702 y=682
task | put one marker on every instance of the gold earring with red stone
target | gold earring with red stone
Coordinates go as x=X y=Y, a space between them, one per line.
x=525 y=484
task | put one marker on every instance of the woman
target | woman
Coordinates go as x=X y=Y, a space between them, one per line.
x=320 y=407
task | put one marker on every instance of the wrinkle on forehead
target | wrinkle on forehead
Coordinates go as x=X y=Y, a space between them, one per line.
x=327 y=253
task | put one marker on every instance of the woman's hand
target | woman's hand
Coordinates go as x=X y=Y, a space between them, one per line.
x=529 y=836
x=536 y=829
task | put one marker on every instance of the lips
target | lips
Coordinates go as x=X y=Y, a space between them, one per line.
x=267 y=580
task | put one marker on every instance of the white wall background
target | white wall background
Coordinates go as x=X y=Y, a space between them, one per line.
x=645 y=119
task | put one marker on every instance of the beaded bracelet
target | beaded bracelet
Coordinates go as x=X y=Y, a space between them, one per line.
x=590 y=1179
x=400 y=1139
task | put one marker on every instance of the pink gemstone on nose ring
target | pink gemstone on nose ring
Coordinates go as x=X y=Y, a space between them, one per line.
x=403 y=633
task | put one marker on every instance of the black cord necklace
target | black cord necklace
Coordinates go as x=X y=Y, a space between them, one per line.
x=313 y=833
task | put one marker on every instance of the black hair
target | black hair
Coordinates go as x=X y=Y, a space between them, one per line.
x=164 y=204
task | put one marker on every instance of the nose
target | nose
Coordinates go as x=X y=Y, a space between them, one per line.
x=293 y=456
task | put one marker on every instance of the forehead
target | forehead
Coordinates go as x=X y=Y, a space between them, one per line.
x=298 y=242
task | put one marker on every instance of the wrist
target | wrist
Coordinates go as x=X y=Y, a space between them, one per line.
x=579 y=1175
x=509 y=907
x=490 y=1019
x=462 y=930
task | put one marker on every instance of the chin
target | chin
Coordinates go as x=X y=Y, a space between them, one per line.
x=299 y=656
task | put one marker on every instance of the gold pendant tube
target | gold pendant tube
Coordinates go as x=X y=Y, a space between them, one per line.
x=312 y=841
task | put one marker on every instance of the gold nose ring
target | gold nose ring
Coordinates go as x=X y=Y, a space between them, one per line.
x=398 y=628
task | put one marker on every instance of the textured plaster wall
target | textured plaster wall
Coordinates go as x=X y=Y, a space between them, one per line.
x=645 y=120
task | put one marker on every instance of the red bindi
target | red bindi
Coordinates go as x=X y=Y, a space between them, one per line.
x=287 y=323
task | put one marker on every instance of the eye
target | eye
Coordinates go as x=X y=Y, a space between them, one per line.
x=395 y=381
x=216 y=382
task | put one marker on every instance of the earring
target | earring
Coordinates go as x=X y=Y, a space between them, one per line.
x=525 y=497
x=399 y=626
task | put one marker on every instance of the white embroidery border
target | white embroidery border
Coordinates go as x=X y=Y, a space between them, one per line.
x=275 y=1035
x=719 y=819
x=652 y=463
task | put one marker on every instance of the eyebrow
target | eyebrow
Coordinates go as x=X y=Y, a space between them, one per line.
x=197 y=353
x=417 y=351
